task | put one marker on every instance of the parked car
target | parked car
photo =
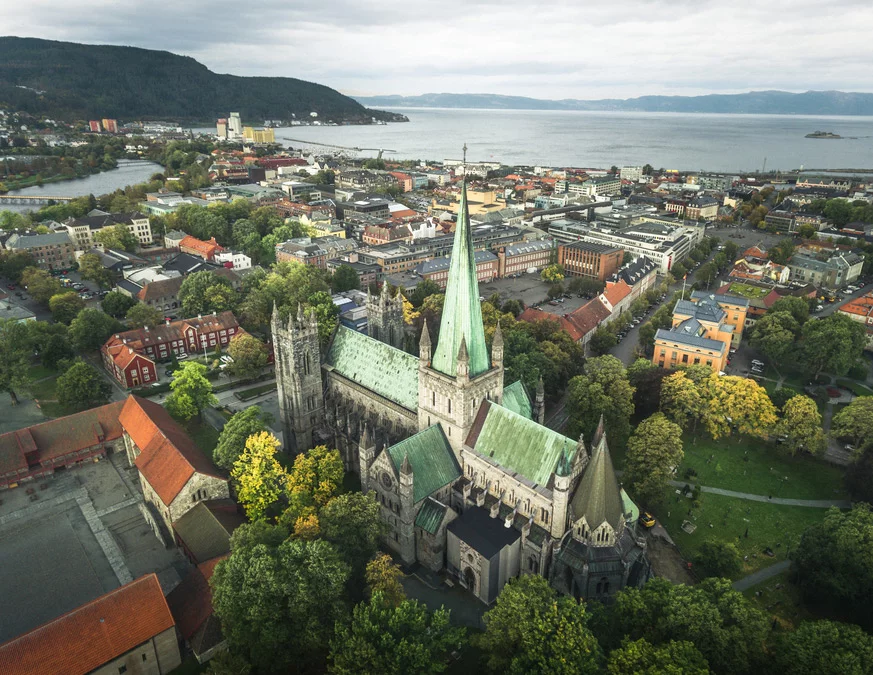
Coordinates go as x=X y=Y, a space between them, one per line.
x=756 y=362
x=647 y=519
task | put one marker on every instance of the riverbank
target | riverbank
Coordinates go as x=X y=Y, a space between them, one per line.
x=34 y=181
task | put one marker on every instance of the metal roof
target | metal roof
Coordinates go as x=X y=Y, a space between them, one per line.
x=691 y=340
x=376 y=366
x=430 y=515
x=462 y=313
x=431 y=458
x=598 y=497
x=515 y=398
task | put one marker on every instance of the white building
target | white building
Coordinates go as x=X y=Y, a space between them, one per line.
x=631 y=173
x=239 y=260
x=234 y=126
x=82 y=230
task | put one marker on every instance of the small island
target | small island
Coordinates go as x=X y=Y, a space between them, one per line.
x=823 y=134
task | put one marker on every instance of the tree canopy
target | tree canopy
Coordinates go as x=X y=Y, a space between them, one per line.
x=602 y=389
x=191 y=392
x=237 y=430
x=654 y=451
x=82 y=387
x=206 y=292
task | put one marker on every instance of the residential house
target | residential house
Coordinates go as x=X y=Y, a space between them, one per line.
x=82 y=230
x=861 y=310
x=825 y=268
x=201 y=249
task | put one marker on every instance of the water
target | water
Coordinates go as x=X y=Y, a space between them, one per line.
x=128 y=172
x=683 y=141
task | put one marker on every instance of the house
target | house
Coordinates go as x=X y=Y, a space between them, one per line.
x=827 y=268
x=861 y=310
x=37 y=451
x=374 y=235
x=128 y=366
x=82 y=230
x=235 y=260
x=191 y=606
x=174 y=473
x=128 y=630
x=53 y=251
x=162 y=294
x=201 y=249
x=173 y=238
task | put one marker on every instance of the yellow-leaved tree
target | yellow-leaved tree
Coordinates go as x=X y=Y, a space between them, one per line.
x=313 y=481
x=736 y=403
x=259 y=478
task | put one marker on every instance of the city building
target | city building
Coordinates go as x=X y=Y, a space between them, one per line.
x=234 y=126
x=127 y=630
x=110 y=126
x=631 y=173
x=259 y=136
x=590 y=260
x=204 y=532
x=825 y=268
x=861 y=310
x=302 y=250
x=437 y=269
x=640 y=274
x=235 y=260
x=130 y=356
x=53 y=251
x=525 y=257
x=782 y=221
x=221 y=128
x=375 y=235
x=467 y=477
x=82 y=230
x=191 y=606
x=95 y=127
x=202 y=249
x=9 y=310
x=605 y=186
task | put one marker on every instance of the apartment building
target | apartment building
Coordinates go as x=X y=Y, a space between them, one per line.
x=437 y=270
x=605 y=186
x=53 y=251
x=590 y=260
x=82 y=230
x=525 y=257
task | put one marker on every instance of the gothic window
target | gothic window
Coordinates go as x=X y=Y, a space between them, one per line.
x=306 y=363
x=450 y=406
x=533 y=565
x=433 y=399
x=545 y=516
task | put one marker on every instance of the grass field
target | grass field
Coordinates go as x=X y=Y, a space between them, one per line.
x=248 y=394
x=781 y=599
x=39 y=372
x=728 y=519
x=748 y=291
x=750 y=465
x=205 y=437
x=856 y=388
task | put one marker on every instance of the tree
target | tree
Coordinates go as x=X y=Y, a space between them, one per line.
x=141 y=315
x=718 y=559
x=91 y=267
x=800 y=427
x=116 y=304
x=66 y=306
x=191 y=392
x=40 y=284
x=352 y=523
x=394 y=640
x=13 y=263
x=249 y=355
x=707 y=273
x=117 y=237
x=90 y=329
x=259 y=479
x=552 y=274
x=737 y=403
x=855 y=423
x=533 y=630
x=383 y=576
x=718 y=620
x=824 y=648
x=313 y=481
x=781 y=253
x=797 y=307
x=206 y=292
x=232 y=439
x=670 y=658
x=555 y=291
x=278 y=603
x=654 y=451
x=14 y=357
x=56 y=349
x=774 y=334
x=679 y=271
x=587 y=287
x=345 y=279
x=833 y=343
x=602 y=341
x=681 y=399
x=423 y=289
x=287 y=286
x=82 y=387
x=226 y=662
x=602 y=389
x=832 y=562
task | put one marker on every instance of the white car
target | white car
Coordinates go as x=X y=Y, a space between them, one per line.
x=755 y=362
x=226 y=359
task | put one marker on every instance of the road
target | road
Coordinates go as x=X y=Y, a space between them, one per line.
x=41 y=312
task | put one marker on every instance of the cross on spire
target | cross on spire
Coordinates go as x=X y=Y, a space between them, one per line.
x=465 y=159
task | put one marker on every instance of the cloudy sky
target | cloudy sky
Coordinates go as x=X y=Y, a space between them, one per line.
x=555 y=49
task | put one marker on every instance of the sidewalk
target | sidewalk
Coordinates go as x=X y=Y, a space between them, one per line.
x=756 y=578
x=811 y=503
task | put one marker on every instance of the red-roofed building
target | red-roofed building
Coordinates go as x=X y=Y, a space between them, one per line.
x=861 y=310
x=130 y=356
x=191 y=605
x=580 y=324
x=404 y=180
x=128 y=630
x=35 y=452
x=200 y=248
x=174 y=473
x=616 y=297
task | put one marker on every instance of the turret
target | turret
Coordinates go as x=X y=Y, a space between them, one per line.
x=366 y=455
x=424 y=345
x=407 y=512
x=497 y=348
x=540 y=404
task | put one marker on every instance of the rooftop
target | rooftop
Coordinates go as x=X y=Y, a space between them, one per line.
x=431 y=458
x=486 y=535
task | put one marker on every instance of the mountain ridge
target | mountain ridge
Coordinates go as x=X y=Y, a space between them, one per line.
x=69 y=80
x=774 y=102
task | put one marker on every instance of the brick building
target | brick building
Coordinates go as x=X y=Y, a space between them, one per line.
x=53 y=251
x=128 y=630
x=437 y=270
x=374 y=235
x=590 y=260
x=199 y=248
x=519 y=258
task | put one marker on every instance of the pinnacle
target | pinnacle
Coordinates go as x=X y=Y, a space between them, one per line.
x=425 y=335
x=463 y=354
x=406 y=467
x=498 y=336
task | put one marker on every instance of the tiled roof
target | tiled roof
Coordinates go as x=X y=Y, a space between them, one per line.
x=59 y=437
x=191 y=601
x=432 y=460
x=123 y=355
x=443 y=262
x=379 y=367
x=161 y=289
x=169 y=457
x=164 y=333
x=205 y=248
x=616 y=291
x=597 y=496
x=518 y=444
x=100 y=631
x=588 y=317
x=515 y=398
x=430 y=515
x=205 y=530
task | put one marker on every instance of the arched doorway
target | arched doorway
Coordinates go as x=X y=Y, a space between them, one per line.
x=470 y=580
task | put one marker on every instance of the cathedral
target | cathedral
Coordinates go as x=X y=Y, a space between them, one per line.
x=469 y=479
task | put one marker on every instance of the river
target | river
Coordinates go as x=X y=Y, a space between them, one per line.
x=128 y=172
x=684 y=141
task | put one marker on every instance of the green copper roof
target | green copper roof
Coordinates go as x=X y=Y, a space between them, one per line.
x=520 y=444
x=432 y=460
x=597 y=496
x=389 y=372
x=631 y=510
x=515 y=398
x=430 y=515
x=462 y=314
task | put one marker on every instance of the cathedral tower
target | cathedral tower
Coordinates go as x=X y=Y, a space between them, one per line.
x=385 y=317
x=298 y=378
x=457 y=375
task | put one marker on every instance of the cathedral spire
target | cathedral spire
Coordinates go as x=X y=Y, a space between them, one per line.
x=462 y=313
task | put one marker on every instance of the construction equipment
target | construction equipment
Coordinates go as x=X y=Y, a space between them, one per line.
x=340 y=147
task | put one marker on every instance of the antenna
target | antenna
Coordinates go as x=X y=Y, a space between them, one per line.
x=464 y=161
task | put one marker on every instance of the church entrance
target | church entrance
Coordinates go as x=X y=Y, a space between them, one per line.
x=470 y=580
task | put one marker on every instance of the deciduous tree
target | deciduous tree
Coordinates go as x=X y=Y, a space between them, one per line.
x=353 y=524
x=117 y=237
x=640 y=657
x=654 y=451
x=116 y=304
x=681 y=399
x=552 y=274
x=718 y=559
x=855 y=423
x=249 y=355
x=259 y=478
x=14 y=357
x=383 y=576
x=800 y=427
x=82 y=387
x=313 y=481
x=737 y=403
x=345 y=279
x=65 y=306
x=233 y=437
x=832 y=344
x=774 y=334
x=140 y=315
x=40 y=284
x=91 y=328
x=602 y=341
x=824 y=648
x=91 y=268
x=191 y=392
x=395 y=640
x=206 y=292
x=602 y=389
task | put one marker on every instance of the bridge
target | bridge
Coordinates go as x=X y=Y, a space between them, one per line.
x=32 y=199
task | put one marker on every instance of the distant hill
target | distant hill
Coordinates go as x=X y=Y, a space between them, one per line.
x=753 y=102
x=66 y=80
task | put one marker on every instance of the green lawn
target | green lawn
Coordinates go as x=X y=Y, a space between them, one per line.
x=754 y=466
x=39 y=371
x=248 y=394
x=204 y=436
x=856 y=388
x=781 y=599
x=189 y=667
x=728 y=519
x=748 y=291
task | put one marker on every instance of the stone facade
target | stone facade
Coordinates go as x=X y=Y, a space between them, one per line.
x=385 y=317
x=158 y=656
